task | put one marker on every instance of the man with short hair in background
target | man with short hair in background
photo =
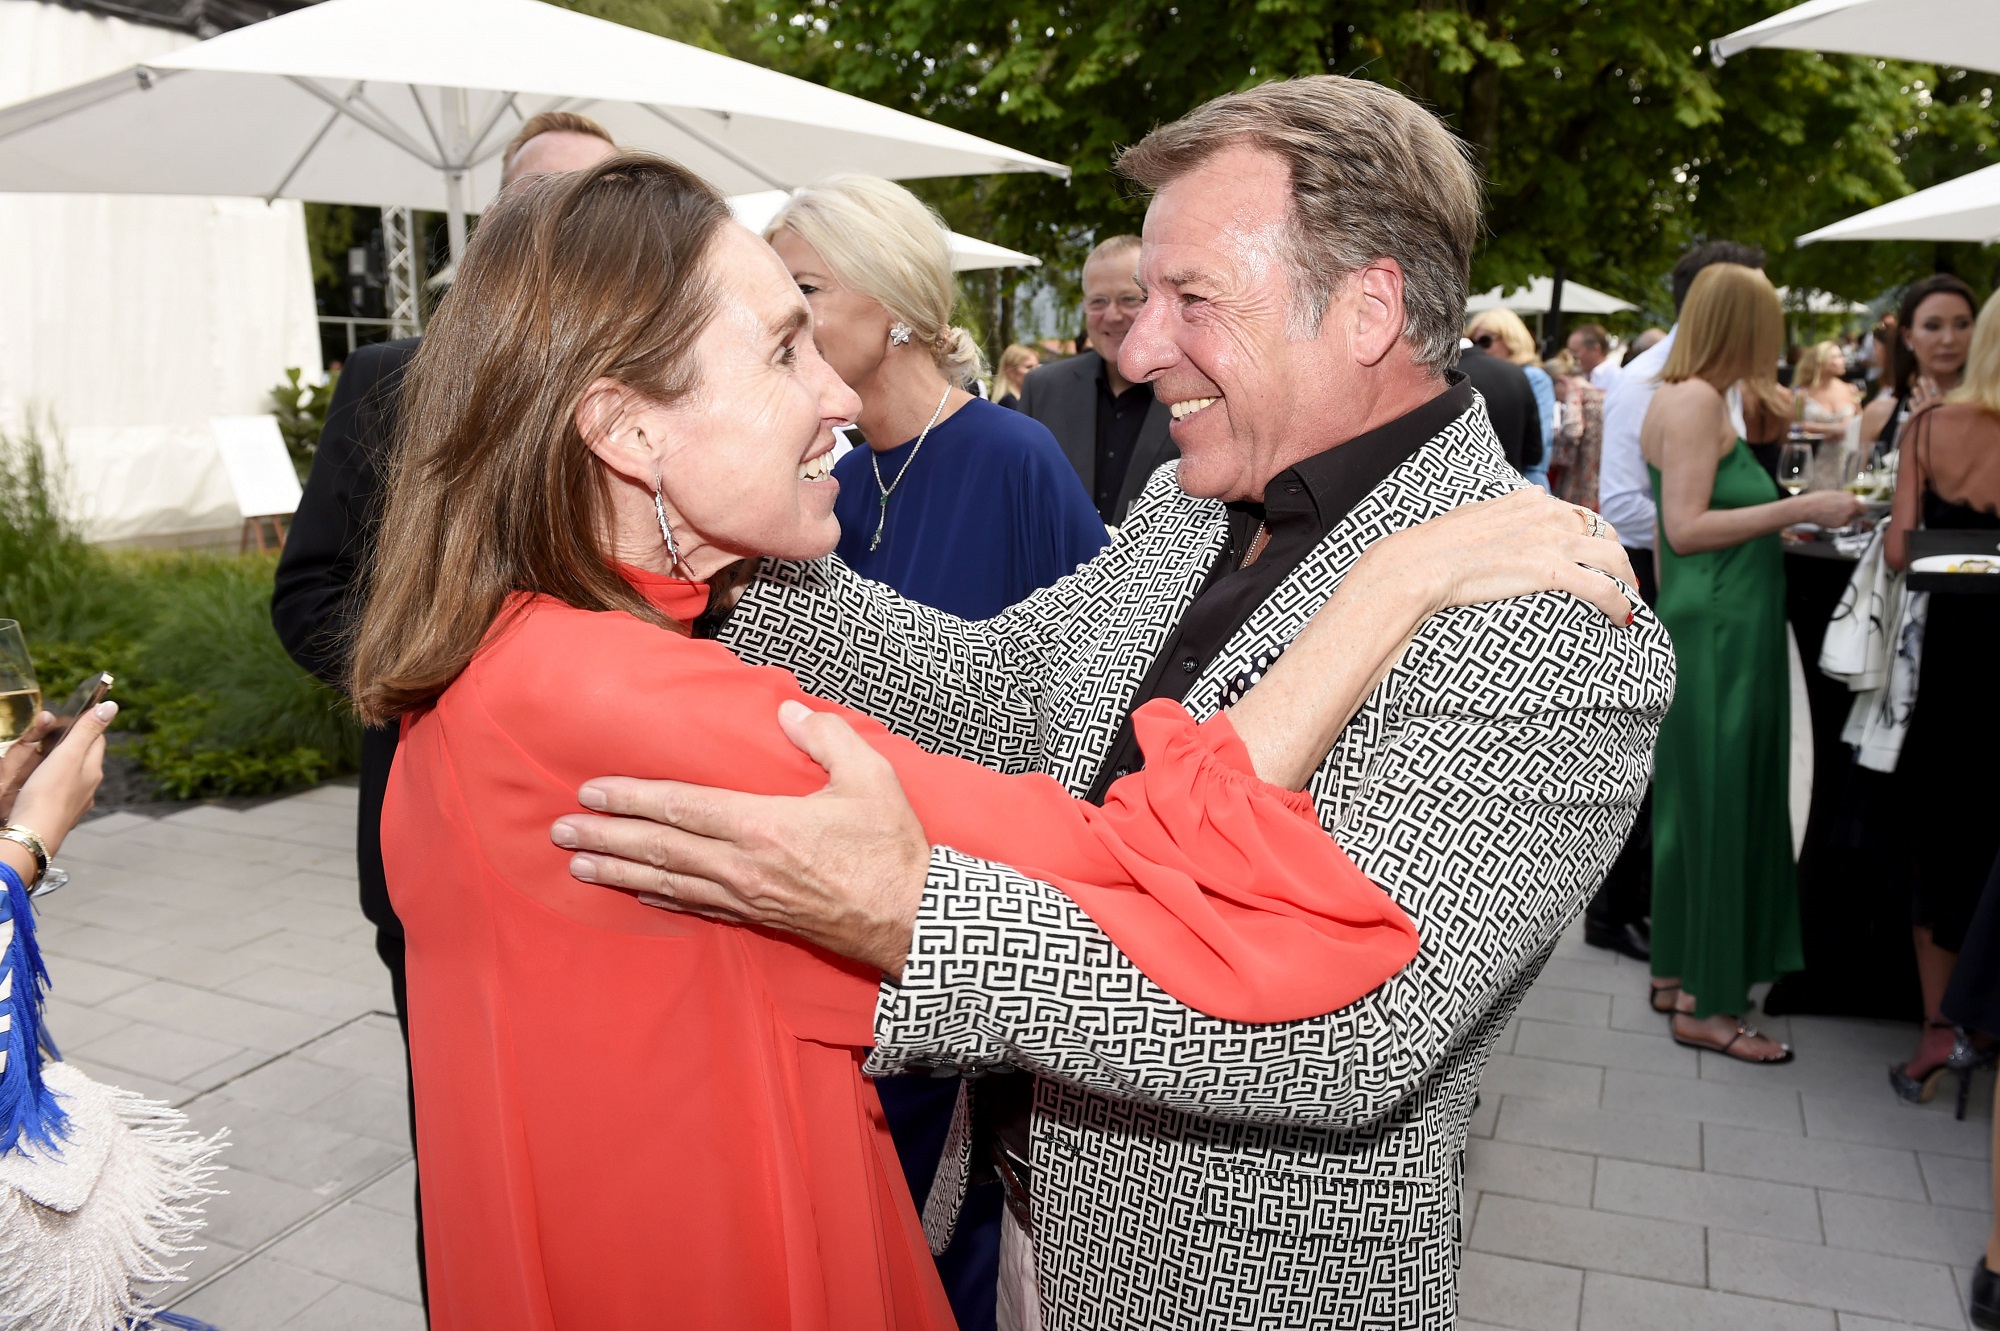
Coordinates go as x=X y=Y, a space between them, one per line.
x=1111 y=429
x=1591 y=346
x=332 y=536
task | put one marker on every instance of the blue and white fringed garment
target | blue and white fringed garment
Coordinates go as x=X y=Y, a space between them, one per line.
x=100 y=1189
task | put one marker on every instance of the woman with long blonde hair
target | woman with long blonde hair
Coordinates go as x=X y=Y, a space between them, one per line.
x=1725 y=906
x=1500 y=332
x=1824 y=398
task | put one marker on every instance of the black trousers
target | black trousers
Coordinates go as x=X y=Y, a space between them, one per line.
x=389 y=947
x=1627 y=894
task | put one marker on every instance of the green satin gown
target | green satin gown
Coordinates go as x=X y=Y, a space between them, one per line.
x=1725 y=898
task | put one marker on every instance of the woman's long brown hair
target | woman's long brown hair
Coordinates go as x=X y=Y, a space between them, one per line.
x=600 y=273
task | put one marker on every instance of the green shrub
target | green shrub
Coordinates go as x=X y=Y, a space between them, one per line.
x=301 y=412
x=210 y=704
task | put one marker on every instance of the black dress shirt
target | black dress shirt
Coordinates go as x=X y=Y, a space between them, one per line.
x=1119 y=416
x=1301 y=506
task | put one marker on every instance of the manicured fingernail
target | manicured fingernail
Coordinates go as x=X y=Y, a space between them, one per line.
x=793 y=710
x=583 y=868
x=106 y=711
x=590 y=797
x=563 y=835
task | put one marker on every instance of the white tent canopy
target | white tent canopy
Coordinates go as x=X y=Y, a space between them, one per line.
x=756 y=210
x=410 y=103
x=1967 y=208
x=1538 y=295
x=1960 y=33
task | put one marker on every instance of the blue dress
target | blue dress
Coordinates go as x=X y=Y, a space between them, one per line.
x=989 y=512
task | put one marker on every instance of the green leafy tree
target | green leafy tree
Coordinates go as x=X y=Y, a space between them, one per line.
x=1607 y=137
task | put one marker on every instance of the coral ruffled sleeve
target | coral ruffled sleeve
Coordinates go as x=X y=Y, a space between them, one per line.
x=1222 y=888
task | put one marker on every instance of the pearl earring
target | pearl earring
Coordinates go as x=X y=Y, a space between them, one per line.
x=899 y=335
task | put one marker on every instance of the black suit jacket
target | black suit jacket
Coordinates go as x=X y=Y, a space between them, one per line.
x=1063 y=396
x=1510 y=401
x=326 y=555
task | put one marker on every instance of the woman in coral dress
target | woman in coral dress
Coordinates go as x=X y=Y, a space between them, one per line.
x=631 y=1118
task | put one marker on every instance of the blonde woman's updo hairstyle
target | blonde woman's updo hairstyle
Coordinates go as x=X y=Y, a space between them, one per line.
x=882 y=241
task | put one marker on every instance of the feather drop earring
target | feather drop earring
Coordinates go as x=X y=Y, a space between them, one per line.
x=667 y=532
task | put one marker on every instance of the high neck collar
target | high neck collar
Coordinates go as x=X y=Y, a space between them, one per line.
x=676 y=598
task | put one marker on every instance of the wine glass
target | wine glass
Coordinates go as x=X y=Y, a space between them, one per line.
x=20 y=695
x=1794 y=465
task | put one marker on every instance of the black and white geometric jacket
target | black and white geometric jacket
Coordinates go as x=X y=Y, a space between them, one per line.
x=1197 y=1173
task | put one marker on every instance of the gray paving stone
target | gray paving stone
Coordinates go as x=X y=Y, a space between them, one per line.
x=1710 y=1102
x=169 y=1055
x=1630 y=1136
x=1485 y=1114
x=395 y=1194
x=72 y=1025
x=371 y=1106
x=1631 y=1010
x=1541 y=1079
x=290 y=1085
x=1903 y=1229
x=349 y=1307
x=1526 y=1296
x=1514 y=1170
x=1593 y=977
x=298 y=1150
x=88 y=982
x=192 y=964
x=1593 y=1240
x=1951 y=1183
x=1856 y=1322
x=326 y=888
x=92 y=941
x=1812 y=1162
x=352 y=1244
x=1750 y=1206
x=263 y=1292
x=1604 y=1048
x=1621 y=1303
x=1570 y=1007
x=373 y=1045
x=299 y=915
x=1884 y=1122
x=324 y=955
x=153 y=1088
x=257 y=1206
x=310 y=993
x=238 y=1021
x=1922 y=1292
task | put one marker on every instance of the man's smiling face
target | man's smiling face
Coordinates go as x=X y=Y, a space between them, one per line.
x=1219 y=337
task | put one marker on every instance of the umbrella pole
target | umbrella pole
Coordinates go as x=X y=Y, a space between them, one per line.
x=454 y=212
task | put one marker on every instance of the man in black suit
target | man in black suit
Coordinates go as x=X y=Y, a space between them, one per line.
x=1111 y=429
x=1510 y=401
x=332 y=537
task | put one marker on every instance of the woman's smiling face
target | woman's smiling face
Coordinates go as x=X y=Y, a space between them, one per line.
x=744 y=460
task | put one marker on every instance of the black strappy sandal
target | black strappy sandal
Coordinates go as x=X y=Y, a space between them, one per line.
x=1671 y=991
x=1730 y=1043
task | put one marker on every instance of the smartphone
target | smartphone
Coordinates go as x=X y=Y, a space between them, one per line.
x=81 y=699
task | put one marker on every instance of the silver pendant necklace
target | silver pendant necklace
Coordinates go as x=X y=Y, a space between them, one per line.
x=875 y=460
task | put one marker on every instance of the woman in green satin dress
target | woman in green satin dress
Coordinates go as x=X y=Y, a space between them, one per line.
x=1725 y=906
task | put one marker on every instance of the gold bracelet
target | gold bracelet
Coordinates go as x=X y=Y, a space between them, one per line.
x=22 y=836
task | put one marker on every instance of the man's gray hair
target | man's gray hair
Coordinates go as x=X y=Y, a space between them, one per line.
x=1374 y=176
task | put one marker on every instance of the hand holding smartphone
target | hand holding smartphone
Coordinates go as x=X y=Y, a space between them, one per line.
x=81 y=699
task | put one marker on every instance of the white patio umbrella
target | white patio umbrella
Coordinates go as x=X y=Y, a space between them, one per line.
x=1536 y=297
x=1960 y=33
x=410 y=102
x=1967 y=208
x=755 y=210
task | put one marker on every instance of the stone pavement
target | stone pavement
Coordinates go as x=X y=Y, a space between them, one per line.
x=1615 y=1182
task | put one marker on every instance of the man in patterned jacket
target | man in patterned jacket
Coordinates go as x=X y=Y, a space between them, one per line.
x=1305 y=261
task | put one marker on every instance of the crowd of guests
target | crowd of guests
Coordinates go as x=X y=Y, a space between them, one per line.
x=967 y=490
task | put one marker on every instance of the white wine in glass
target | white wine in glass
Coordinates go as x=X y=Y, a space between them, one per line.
x=20 y=695
x=1795 y=460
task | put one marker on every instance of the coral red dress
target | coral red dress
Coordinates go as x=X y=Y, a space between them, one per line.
x=629 y=1118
